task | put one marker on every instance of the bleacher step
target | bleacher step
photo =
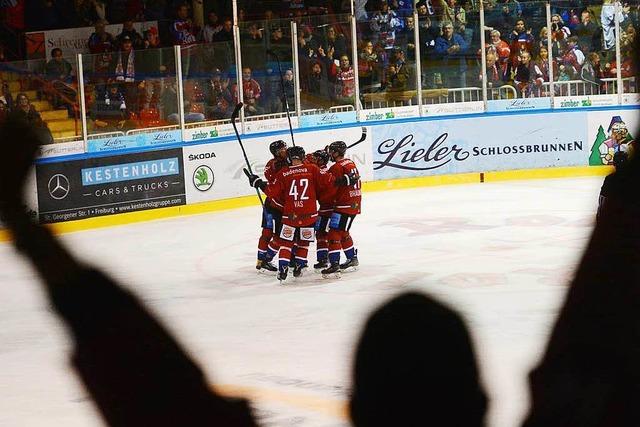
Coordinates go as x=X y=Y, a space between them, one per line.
x=54 y=115
x=62 y=125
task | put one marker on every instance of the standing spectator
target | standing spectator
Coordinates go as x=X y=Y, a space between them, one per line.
x=608 y=18
x=592 y=73
x=219 y=97
x=406 y=38
x=494 y=72
x=318 y=85
x=398 y=75
x=588 y=33
x=521 y=38
x=280 y=44
x=226 y=33
x=289 y=92
x=368 y=67
x=500 y=49
x=182 y=29
x=153 y=64
x=129 y=31
x=384 y=24
x=251 y=92
x=336 y=42
x=124 y=69
x=101 y=44
x=211 y=28
x=450 y=50
x=573 y=58
x=542 y=64
x=429 y=33
x=345 y=82
x=527 y=79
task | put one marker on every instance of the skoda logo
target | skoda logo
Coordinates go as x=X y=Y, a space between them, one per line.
x=203 y=178
x=58 y=186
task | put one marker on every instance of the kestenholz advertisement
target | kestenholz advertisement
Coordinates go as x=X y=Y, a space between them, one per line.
x=109 y=185
x=492 y=143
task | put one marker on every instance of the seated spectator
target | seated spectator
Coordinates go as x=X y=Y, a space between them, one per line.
x=23 y=106
x=588 y=33
x=58 y=68
x=251 y=92
x=169 y=102
x=219 y=97
x=591 y=73
x=495 y=75
x=345 y=88
x=398 y=75
x=129 y=31
x=211 y=28
x=527 y=79
x=451 y=49
x=110 y=110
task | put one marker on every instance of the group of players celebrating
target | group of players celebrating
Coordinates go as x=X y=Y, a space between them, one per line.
x=307 y=200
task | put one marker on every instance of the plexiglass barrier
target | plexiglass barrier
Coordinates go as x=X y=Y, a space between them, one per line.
x=452 y=57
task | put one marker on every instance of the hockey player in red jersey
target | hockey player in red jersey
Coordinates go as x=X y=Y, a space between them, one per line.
x=295 y=189
x=271 y=213
x=321 y=159
x=346 y=206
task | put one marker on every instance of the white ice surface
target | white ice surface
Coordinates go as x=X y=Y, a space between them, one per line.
x=501 y=253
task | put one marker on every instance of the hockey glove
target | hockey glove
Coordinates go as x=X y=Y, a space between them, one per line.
x=254 y=180
x=347 y=180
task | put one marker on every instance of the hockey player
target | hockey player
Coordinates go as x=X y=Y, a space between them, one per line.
x=326 y=199
x=346 y=207
x=620 y=160
x=271 y=213
x=294 y=189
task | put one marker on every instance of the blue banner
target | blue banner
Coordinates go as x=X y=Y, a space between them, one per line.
x=150 y=139
x=490 y=143
x=130 y=171
x=327 y=119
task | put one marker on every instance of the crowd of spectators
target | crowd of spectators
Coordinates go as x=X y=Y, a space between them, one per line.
x=131 y=80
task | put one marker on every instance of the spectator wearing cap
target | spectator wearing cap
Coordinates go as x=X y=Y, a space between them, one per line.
x=129 y=31
x=451 y=49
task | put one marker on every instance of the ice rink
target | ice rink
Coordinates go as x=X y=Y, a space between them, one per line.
x=500 y=253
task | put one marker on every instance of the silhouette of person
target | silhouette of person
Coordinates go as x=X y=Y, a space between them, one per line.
x=135 y=371
x=589 y=375
x=415 y=366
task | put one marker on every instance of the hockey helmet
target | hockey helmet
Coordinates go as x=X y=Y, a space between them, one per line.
x=276 y=146
x=322 y=157
x=337 y=147
x=295 y=152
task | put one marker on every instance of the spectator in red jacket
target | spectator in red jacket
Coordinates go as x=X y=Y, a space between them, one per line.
x=251 y=92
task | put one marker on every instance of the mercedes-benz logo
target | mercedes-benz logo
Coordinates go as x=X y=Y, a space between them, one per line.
x=58 y=186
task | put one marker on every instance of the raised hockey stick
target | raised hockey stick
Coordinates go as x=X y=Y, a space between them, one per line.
x=284 y=94
x=234 y=116
x=362 y=138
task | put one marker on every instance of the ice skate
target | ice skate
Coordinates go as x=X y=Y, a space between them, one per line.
x=350 y=266
x=282 y=275
x=320 y=265
x=298 y=270
x=266 y=267
x=333 y=272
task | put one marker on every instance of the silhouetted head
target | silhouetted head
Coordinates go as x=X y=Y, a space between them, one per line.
x=415 y=366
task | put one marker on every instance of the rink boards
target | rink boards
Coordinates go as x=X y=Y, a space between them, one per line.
x=122 y=186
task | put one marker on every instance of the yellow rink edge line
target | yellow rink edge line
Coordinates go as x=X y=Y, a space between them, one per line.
x=392 y=184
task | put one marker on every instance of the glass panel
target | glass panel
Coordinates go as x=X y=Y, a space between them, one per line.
x=517 y=54
x=327 y=78
x=450 y=52
x=629 y=50
x=263 y=43
x=209 y=82
x=387 y=60
x=584 y=42
x=130 y=90
x=47 y=91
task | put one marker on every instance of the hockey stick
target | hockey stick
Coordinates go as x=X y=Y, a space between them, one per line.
x=362 y=138
x=284 y=94
x=234 y=116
